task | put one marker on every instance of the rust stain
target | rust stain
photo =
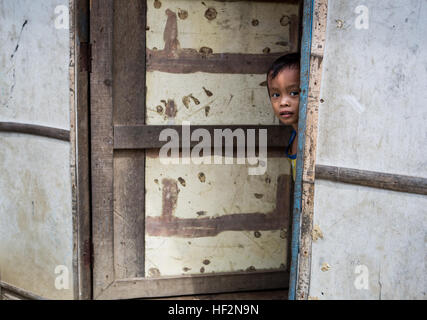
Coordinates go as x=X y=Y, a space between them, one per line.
x=174 y=59
x=159 y=109
x=157 y=4
x=186 y=269
x=202 y=177
x=207 y=110
x=168 y=225
x=255 y=22
x=285 y=20
x=206 y=262
x=181 y=181
x=186 y=101
x=257 y=234
x=258 y=195
x=325 y=267
x=202 y=269
x=208 y=93
x=182 y=14
x=171 y=109
x=205 y=51
x=170 y=35
x=266 y=50
x=154 y=272
x=211 y=13
x=169 y=198
x=317 y=233
x=196 y=101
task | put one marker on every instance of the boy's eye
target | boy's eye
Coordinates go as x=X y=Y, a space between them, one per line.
x=294 y=93
x=275 y=95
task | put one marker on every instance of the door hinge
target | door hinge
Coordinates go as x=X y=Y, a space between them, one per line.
x=85 y=57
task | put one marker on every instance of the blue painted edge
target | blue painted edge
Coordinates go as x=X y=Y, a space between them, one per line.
x=305 y=76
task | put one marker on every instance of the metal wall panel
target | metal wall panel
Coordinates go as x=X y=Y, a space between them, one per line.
x=35 y=185
x=372 y=118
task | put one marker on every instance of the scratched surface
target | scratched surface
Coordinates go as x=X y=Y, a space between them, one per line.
x=201 y=38
x=35 y=183
x=206 y=63
x=373 y=118
x=217 y=213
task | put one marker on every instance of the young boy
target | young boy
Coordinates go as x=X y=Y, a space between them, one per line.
x=283 y=85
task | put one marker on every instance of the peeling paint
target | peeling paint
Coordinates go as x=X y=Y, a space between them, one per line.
x=316 y=233
x=325 y=267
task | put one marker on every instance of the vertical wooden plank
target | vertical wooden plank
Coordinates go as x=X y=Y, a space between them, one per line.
x=73 y=154
x=81 y=20
x=129 y=231
x=101 y=32
x=307 y=205
x=129 y=109
x=296 y=214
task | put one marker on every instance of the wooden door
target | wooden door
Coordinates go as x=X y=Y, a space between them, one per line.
x=185 y=229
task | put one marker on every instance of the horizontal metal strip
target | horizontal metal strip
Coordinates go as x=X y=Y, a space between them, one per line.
x=54 y=133
x=18 y=292
x=373 y=179
x=147 y=136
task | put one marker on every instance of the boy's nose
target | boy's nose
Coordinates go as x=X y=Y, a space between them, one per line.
x=284 y=102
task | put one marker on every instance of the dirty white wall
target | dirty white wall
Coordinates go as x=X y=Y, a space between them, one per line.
x=373 y=118
x=205 y=98
x=35 y=183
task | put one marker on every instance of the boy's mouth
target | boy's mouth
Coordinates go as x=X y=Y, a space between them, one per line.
x=286 y=114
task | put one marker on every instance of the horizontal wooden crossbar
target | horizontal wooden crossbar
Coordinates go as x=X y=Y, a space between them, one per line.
x=373 y=179
x=147 y=136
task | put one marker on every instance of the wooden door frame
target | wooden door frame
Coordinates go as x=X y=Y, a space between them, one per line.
x=312 y=49
x=102 y=146
x=80 y=148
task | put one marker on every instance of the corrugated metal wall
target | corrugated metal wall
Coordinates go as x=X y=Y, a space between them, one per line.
x=373 y=118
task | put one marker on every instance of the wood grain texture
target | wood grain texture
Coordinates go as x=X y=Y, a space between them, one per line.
x=129 y=109
x=83 y=286
x=190 y=285
x=307 y=199
x=279 y=294
x=101 y=115
x=147 y=136
x=373 y=179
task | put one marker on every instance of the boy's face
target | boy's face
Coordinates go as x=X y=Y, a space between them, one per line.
x=284 y=95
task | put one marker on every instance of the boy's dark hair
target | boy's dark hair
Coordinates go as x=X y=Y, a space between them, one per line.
x=290 y=60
